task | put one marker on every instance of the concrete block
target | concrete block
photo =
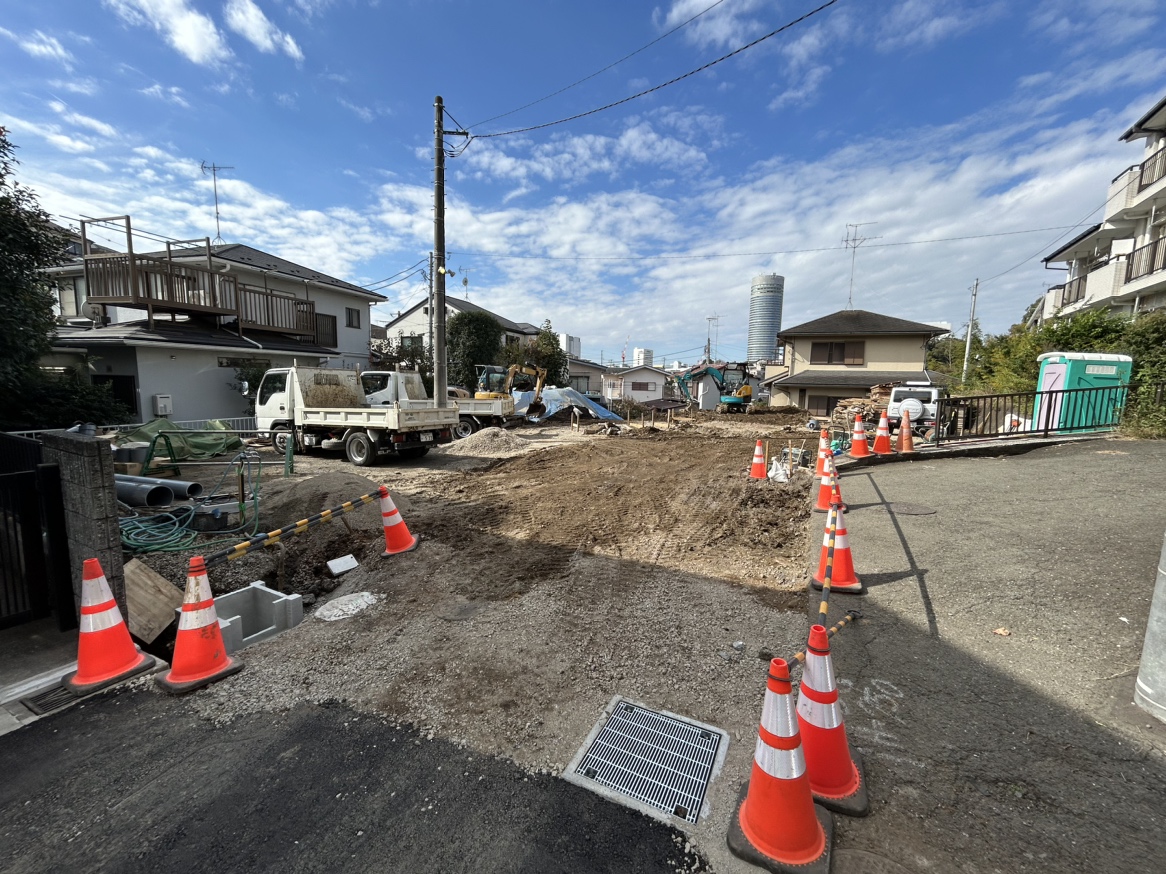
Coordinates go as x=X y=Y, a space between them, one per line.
x=255 y=614
x=342 y=565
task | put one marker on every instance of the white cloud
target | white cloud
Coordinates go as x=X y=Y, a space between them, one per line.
x=88 y=87
x=1087 y=25
x=77 y=120
x=922 y=23
x=173 y=94
x=248 y=20
x=192 y=33
x=728 y=25
x=42 y=46
x=364 y=113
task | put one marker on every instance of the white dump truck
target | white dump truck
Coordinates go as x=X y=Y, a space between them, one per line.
x=473 y=413
x=327 y=408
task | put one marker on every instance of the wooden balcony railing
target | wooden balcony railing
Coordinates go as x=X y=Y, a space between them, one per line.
x=1145 y=260
x=1073 y=291
x=163 y=285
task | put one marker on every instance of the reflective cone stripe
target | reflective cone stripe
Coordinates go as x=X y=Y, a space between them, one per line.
x=858 y=445
x=841 y=565
x=105 y=652
x=777 y=816
x=823 y=452
x=757 y=470
x=882 y=444
x=827 y=488
x=832 y=771
x=905 y=440
x=200 y=656
x=397 y=536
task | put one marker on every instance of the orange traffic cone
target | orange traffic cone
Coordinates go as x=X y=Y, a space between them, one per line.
x=200 y=658
x=397 y=536
x=823 y=452
x=777 y=826
x=105 y=653
x=827 y=487
x=904 y=440
x=882 y=444
x=837 y=780
x=859 y=448
x=757 y=470
x=836 y=559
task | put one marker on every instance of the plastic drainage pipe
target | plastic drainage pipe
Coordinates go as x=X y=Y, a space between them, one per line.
x=144 y=494
x=1150 y=690
x=179 y=487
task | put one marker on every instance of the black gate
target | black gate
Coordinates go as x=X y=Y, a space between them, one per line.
x=34 y=552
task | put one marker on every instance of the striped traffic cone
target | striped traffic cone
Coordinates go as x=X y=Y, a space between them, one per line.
x=397 y=536
x=836 y=559
x=823 y=452
x=757 y=470
x=836 y=774
x=859 y=448
x=777 y=826
x=105 y=653
x=200 y=658
x=882 y=444
x=905 y=440
x=827 y=487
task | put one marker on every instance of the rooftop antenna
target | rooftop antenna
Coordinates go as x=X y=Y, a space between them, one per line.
x=214 y=170
x=852 y=242
x=708 y=343
x=466 y=279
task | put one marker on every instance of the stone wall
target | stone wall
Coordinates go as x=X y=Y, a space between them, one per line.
x=91 y=518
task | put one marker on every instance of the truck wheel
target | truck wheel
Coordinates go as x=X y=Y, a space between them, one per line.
x=464 y=428
x=279 y=438
x=413 y=452
x=360 y=450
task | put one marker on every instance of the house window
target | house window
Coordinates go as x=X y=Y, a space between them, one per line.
x=853 y=352
x=326 y=330
x=822 y=406
x=581 y=383
x=411 y=342
x=351 y=317
x=643 y=386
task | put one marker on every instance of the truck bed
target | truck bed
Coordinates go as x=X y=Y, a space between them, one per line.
x=379 y=417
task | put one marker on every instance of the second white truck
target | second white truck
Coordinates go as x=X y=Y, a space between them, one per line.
x=325 y=408
x=473 y=413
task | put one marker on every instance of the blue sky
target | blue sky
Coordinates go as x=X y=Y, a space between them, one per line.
x=929 y=120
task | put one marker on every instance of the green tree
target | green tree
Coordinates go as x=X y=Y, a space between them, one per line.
x=29 y=243
x=543 y=351
x=471 y=338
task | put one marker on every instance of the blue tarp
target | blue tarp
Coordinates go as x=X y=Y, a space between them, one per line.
x=557 y=399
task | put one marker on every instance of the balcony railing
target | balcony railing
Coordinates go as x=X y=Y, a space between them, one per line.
x=1073 y=291
x=1152 y=169
x=1146 y=260
x=143 y=282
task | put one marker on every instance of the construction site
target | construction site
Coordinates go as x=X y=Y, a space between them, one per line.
x=556 y=574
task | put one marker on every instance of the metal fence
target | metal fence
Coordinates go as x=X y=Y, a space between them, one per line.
x=241 y=424
x=1039 y=413
x=18 y=453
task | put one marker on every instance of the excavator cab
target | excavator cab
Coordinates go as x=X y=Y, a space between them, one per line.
x=495 y=382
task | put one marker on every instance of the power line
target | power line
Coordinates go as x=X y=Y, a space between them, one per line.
x=598 y=72
x=700 y=69
x=663 y=257
x=398 y=273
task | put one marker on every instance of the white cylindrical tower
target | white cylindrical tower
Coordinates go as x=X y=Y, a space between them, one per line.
x=765 y=297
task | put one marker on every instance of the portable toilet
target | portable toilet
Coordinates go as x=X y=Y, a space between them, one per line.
x=1081 y=391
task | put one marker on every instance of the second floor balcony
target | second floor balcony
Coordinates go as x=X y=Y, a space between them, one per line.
x=166 y=285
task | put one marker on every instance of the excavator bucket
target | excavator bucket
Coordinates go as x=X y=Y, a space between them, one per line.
x=536 y=408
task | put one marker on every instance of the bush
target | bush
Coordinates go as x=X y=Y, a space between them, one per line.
x=46 y=400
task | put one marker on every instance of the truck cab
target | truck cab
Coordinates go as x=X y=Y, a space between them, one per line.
x=383 y=387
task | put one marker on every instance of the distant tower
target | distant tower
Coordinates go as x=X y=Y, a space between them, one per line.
x=765 y=297
x=642 y=357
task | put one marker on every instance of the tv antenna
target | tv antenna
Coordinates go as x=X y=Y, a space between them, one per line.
x=852 y=242
x=214 y=171
x=708 y=343
x=466 y=279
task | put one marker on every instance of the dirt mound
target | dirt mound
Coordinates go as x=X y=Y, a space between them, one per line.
x=283 y=502
x=489 y=442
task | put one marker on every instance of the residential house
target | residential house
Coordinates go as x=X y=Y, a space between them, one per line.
x=844 y=354
x=586 y=376
x=638 y=384
x=1120 y=264
x=413 y=326
x=208 y=311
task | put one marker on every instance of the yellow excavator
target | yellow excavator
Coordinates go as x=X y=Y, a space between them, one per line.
x=495 y=382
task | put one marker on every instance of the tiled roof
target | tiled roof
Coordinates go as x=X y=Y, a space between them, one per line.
x=863 y=379
x=859 y=323
x=184 y=333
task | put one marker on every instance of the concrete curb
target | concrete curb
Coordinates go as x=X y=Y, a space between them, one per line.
x=978 y=449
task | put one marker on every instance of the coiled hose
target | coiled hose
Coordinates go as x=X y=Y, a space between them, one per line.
x=171 y=531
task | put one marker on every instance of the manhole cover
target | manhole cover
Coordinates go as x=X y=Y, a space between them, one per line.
x=908 y=509
x=49 y=700
x=651 y=760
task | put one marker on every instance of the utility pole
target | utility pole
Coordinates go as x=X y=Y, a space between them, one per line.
x=852 y=243
x=430 y=308
x=440 y=376
x=968 y=333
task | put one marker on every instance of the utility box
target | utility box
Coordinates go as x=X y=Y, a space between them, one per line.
x=163 y=405
x=1081 y=391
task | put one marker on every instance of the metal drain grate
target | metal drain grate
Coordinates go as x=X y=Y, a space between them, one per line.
x=49 y=700
x=654 y=758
